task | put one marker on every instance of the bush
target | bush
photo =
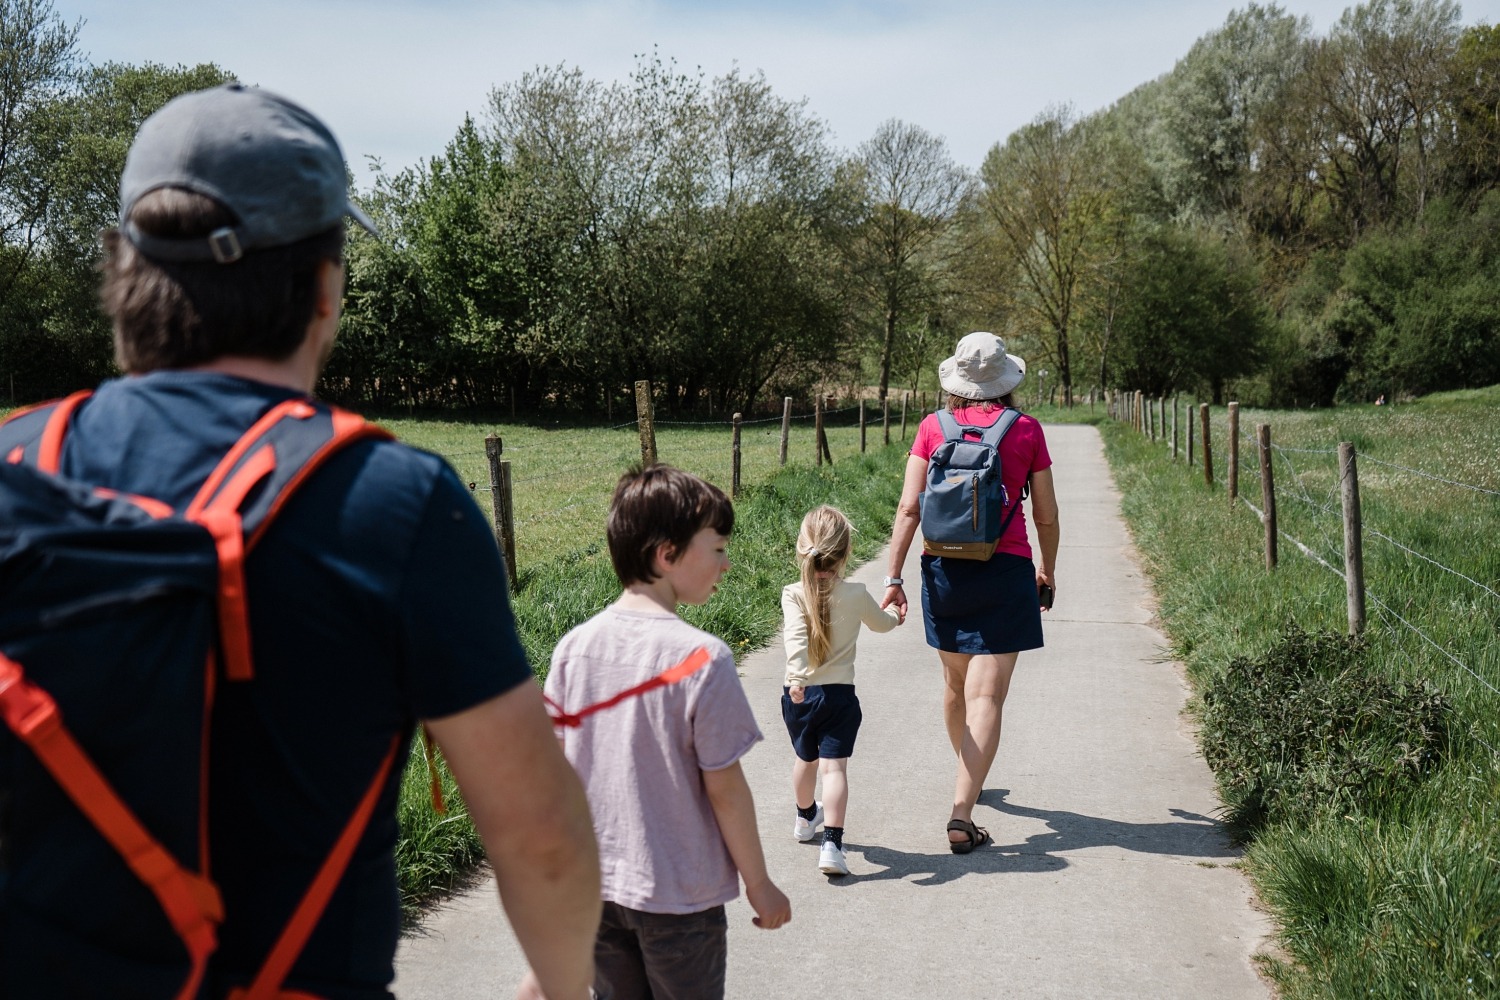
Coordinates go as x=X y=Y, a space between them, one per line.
x=1307 y=729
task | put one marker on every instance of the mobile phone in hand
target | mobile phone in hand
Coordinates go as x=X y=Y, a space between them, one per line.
x=1044 y=595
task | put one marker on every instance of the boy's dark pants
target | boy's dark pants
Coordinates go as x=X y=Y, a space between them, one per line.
x=660 y=956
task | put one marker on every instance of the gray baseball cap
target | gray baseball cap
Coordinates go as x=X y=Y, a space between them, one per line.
x=267 y=160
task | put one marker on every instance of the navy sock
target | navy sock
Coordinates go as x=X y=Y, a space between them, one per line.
x=809 y=812
x=835 y=834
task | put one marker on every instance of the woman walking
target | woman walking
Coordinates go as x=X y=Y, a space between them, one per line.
x=980 y=613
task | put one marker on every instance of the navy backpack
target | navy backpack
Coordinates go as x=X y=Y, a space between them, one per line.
x=118 y=618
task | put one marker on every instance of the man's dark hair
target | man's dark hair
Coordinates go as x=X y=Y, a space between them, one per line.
x=655 y=505
x=176 y=315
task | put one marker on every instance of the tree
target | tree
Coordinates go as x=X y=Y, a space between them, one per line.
x=1213 y=100
x=1046 y=192
x=39 y=63
x=913 y=192
x=1190 y=316
x=53 y=338
x=1474 y=82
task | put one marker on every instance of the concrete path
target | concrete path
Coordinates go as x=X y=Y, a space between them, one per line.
x=1109 y=877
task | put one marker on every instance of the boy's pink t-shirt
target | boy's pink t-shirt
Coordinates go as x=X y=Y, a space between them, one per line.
x=1023 y=452
x=660 y=848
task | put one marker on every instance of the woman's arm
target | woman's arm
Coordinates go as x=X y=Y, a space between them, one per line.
x=1044 y=516
x=904 y=528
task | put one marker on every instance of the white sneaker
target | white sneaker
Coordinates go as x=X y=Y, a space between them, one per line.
x=831 y=859
x=806 y=829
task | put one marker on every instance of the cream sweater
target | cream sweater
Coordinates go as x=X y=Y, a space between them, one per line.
x=848 y=605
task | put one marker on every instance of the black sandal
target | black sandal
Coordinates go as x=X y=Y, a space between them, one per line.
x=978 y=836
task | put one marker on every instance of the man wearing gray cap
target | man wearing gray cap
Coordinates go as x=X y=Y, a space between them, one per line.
x=377 y=598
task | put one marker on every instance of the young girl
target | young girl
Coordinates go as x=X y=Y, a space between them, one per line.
x=821 y=615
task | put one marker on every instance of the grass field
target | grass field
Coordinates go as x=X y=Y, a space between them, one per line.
x=1388 y=885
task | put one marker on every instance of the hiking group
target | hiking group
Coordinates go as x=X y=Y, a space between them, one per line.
x=225 y=607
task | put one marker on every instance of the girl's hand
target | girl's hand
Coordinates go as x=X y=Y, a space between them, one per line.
x=796 y=693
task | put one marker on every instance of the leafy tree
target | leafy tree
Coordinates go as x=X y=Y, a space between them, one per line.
x=1190 y=316
x=1046 y=191
x=898 y=251
x=1474 y=75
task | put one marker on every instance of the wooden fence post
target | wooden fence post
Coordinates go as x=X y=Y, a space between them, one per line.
x=1354 y=556
x=645 y=421
x=861 y=425
x=885 y=418
x=500 y=500
x=1151 y=419
x=818 y=429
x=823 y=430
x=1234 y=453
x=1161 y=406
x=1174 y=427
x=905 y=399
x=1267 y=492
x=1208 y=455
x=735 y=481
x=786 y=424
x=1187 y=418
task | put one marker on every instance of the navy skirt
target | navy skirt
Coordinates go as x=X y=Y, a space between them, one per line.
x=969 y=606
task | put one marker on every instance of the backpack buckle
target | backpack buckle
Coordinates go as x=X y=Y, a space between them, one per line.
x=27 y=709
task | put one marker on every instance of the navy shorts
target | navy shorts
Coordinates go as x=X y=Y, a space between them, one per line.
x=974 y=606
x=826 y=722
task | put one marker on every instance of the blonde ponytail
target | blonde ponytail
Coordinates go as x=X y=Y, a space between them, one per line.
x=823 y=546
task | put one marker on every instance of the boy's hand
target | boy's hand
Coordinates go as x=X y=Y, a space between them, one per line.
x=772 y=908
x=796 y=692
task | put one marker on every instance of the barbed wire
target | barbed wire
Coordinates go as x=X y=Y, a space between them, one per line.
x=1430 y=641
x=1428 y=475
x=1309 y=553
x=551 y=511
x=573 y=470
x=1411 y=551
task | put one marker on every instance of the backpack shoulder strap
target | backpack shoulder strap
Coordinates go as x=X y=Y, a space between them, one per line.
x=243 y=494
x=952 y=429
x=995 y=433
x=694 y=661
x=34 y=436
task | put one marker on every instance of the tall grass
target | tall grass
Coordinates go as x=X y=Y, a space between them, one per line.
x=1392 y=889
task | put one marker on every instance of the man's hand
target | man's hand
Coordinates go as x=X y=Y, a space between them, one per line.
x=772 y=908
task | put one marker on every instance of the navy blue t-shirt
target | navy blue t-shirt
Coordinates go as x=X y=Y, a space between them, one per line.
x=376 y=598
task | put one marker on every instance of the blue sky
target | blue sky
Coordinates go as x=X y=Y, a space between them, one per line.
x=395 y=79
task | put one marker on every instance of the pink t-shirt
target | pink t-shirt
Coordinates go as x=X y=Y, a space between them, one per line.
x=1023 y=452
x=660 y=848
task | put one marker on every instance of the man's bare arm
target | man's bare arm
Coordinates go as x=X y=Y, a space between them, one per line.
x=530 y=810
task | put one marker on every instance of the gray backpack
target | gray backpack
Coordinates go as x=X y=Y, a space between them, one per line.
x=964 y=501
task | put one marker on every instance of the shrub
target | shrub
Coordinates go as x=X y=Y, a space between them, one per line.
x=1307 y=728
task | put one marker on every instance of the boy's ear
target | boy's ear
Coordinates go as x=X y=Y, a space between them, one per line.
x=664 y=556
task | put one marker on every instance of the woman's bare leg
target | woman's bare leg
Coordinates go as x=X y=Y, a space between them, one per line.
x=973 y=703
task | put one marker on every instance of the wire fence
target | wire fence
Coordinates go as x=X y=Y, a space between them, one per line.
x=1320 y=522
x=551 y=490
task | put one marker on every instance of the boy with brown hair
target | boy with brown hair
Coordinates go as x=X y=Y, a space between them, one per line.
x=672 y=809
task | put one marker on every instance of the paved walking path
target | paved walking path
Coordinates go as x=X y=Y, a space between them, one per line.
x=1109 y=877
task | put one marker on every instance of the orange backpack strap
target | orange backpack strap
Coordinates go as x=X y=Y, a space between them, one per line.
x=191 y=902
x=695 y=661
x=267 y=984
x=275 y=456
x=34 y=436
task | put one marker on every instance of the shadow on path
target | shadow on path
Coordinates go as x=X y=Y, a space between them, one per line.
x=1191 y=835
